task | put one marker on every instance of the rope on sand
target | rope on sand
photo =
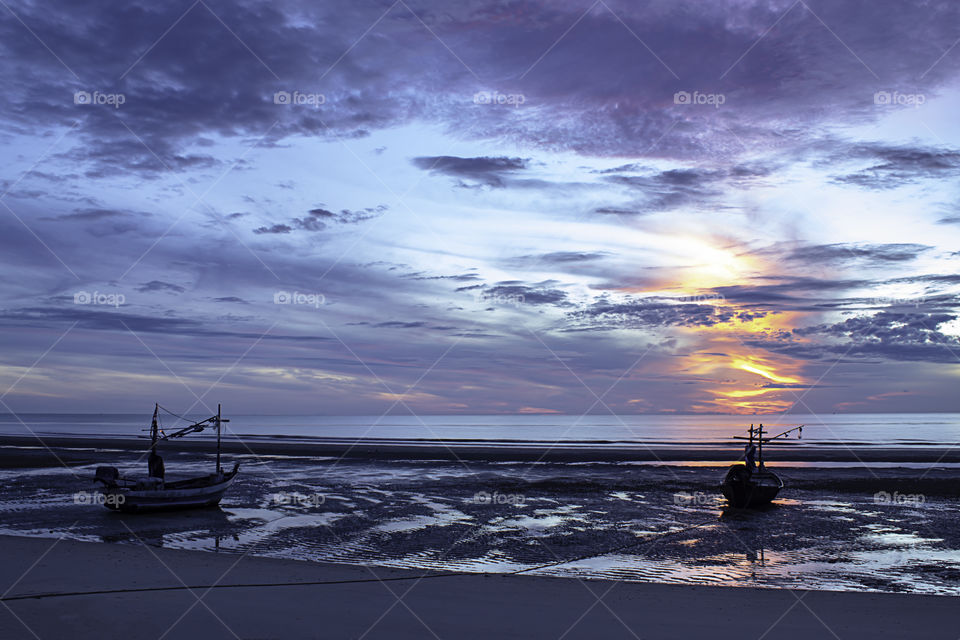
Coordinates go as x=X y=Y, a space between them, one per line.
x=208 y=587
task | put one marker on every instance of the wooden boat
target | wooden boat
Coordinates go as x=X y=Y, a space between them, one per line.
x=154 y=493
x=749 y=485
x=744 y=489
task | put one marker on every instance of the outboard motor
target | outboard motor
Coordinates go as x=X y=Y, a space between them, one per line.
x=107 y=475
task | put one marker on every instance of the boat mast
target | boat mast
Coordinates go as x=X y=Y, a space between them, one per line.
x=218 y=438
x=760 y=446
x=154 y=427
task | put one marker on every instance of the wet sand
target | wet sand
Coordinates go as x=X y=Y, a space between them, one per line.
x=827 y=531
x=400 y=519
x=385 y=603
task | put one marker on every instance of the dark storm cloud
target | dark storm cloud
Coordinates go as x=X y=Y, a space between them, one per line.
x=515 y=292
x=345 y=216
x=120 y=321
x=620 y=211
x=933 y=278
x=199 y=83
x=880 y=253
x=460 y=277
x=599 y=91
x=175 y=94
x=892 y=335
x=778 y=293
x=87 y=215
x=274 y=229
x=487 y=171
x=674 y=188
x=787 y=292
x=319 y=218
x=396 y=324
x=561 y=257
x=158 y=285
x=635 y=313
x=893 y=166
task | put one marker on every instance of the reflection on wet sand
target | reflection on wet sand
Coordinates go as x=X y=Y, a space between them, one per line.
x=628 y=522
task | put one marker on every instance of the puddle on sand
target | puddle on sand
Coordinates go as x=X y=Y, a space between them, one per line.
x=424 y=516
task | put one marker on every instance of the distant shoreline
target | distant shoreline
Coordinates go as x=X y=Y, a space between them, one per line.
x=22 y=451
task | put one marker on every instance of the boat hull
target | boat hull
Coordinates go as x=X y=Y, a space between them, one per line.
x=744 y=490
x=173 y=498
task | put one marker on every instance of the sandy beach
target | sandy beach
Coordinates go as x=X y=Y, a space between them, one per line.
x=151 y=593
x=375 y=545
x=847 y=527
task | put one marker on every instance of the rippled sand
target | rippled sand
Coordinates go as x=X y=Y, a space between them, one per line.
x=828 y=530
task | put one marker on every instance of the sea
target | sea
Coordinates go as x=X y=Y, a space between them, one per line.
x=865 y=429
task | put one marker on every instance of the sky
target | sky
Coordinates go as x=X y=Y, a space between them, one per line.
x=480 y=207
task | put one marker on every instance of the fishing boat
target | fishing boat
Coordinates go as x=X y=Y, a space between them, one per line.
x=154 y=492
x=750 y=484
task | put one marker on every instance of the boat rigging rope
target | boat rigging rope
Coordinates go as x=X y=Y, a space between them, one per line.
x=174 y=414
x=208 y=587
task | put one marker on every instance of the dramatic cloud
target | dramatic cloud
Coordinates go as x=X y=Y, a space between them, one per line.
x=897 y=252
x=644 y=313
x=891 y=167
x=490 y=172
x=318 y=219
x=666 y=190
x=896 y=336
x=299 y=202
x=157 y=285
x=515 y=292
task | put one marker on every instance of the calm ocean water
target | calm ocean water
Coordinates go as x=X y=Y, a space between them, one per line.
x=928 y=429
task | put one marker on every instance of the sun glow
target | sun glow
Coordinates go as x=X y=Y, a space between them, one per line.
x=763 y=370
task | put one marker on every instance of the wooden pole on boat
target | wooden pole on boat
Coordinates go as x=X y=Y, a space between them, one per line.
x=154 y=427
x=760 y=447
x=218 y=438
